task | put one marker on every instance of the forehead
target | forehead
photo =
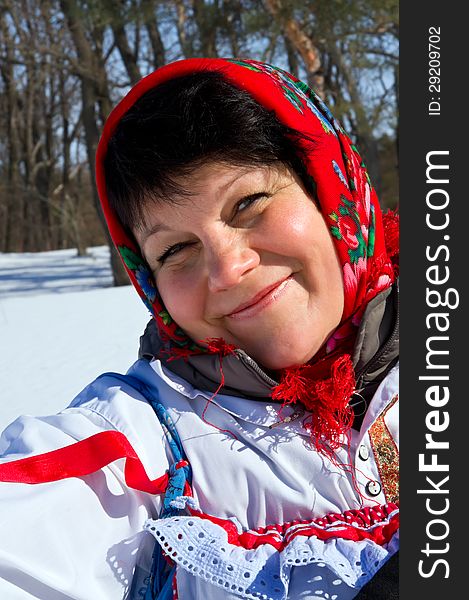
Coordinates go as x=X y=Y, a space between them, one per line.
x=220 y=177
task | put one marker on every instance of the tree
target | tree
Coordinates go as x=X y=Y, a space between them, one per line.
x=65 y=63
x=95 y=94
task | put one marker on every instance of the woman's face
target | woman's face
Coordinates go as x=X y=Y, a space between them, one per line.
x=246 y=257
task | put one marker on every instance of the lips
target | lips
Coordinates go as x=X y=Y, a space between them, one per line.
x=264 y=298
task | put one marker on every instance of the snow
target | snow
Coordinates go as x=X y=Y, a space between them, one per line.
x=61 y=325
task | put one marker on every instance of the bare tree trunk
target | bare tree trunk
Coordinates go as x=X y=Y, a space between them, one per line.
x=292 y=56
x=43 y=154
x=151 y=24
x=13 y=235
x=299 y=39
x=185 y=41
x=205 y=16
x=232 y=19
x=65 y=158
x=90 y=78
x=69 y=229
x=120 y=37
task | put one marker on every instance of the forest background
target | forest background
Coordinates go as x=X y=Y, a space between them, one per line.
x=65 y=63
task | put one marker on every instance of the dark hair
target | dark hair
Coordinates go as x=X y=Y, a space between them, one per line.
x=179 y=125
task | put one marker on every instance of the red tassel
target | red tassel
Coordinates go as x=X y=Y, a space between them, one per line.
x=327 y=399
x=391 y=238
x=212 y=346
x=219 y=346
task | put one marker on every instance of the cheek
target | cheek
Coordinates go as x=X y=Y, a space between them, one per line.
x=304 y=235
x=299 y=232
x=333 y=275
x=287 y=233
x=182 y=296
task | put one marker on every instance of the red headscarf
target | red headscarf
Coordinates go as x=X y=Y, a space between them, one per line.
x=348 y=203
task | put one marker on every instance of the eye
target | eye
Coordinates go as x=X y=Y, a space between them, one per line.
x=248 y=201
x=171 y=251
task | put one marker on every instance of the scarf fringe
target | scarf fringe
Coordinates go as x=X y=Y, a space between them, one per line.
x=213 y=346
x=327 y=399
x=391 y=238
x=219 y=346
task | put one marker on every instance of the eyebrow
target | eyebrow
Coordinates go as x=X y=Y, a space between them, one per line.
x=158 y=227
x=149 y=231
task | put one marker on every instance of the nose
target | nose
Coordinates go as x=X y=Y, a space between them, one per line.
x=229 y=262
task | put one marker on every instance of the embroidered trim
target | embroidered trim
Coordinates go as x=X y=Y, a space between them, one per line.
x=377 y=523
x=386 y=454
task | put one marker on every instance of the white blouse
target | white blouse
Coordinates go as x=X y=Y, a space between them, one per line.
x=270 y=517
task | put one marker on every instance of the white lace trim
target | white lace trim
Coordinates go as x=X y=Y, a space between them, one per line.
x=201 y=548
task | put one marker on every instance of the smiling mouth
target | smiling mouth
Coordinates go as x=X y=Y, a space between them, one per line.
x=265 y=298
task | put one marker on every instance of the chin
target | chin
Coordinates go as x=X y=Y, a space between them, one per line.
x=283 y=360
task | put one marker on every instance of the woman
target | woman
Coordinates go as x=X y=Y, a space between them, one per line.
x=259 y=426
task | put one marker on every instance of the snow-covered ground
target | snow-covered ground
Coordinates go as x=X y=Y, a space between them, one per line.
x=61 y=325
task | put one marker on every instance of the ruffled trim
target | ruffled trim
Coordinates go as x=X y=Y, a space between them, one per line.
x=211 y=550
